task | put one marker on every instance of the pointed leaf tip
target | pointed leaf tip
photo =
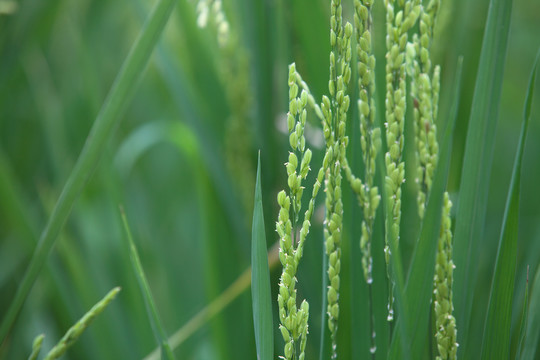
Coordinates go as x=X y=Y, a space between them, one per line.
x=260 y=278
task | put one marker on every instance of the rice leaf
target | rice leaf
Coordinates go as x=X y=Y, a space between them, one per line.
x=419 y=286
x=533 y=324
x=496 y=342
x=471 y=207
x=151 y=309
x=108 y=117
x=530 y=90
x=260 y=279
x=524 y=320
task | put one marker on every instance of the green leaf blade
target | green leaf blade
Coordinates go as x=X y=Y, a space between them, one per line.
x=151 y=310
x=524 y=320
x=260 y=279
x=533 y=323
x=496 y=342
x=473 y=193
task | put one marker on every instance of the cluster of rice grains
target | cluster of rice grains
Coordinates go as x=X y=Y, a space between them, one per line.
x=293 y=320
x=403 y=57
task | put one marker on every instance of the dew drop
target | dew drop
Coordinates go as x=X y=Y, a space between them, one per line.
x=390 y=315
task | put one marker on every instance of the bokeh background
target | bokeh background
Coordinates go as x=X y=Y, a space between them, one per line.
x=182 y=164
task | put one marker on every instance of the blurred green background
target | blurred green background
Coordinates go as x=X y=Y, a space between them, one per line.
x=182 y=164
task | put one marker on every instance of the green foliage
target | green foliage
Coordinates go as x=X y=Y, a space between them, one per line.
x=181 y=157
x=496 y=343
x=106 y=120
x=477 y=160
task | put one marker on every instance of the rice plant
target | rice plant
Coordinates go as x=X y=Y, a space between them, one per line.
x=391 y=213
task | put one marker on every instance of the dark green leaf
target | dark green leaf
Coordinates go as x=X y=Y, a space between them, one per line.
x=471 y=207
x=496 y=342
x=533 y=324
x=524 y=320
x=529 y=331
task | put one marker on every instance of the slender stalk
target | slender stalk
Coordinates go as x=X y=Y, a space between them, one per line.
x=157 y=327
x=108 y=117
x=76 y=330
